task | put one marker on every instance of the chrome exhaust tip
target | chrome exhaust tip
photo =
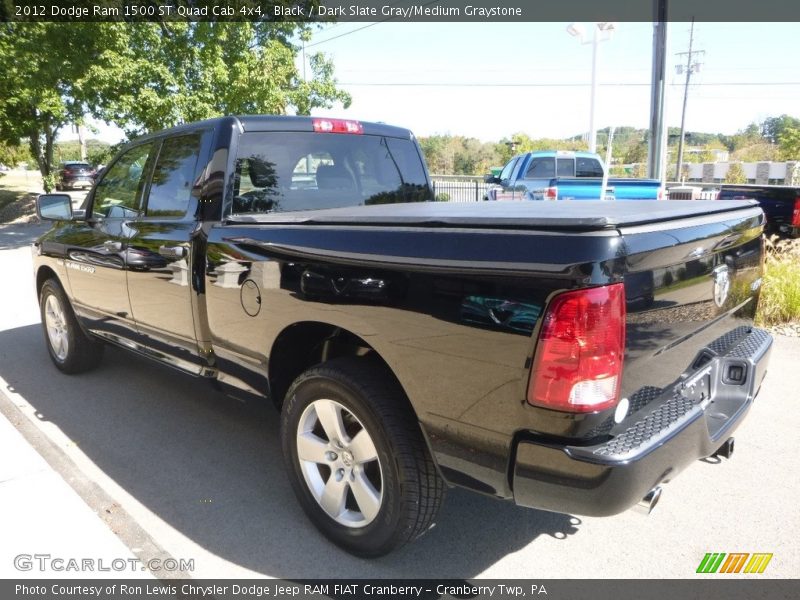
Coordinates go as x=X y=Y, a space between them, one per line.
x=646 y=505
x=726 y=450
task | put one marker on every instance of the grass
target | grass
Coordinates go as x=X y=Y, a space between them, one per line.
x=780 y=291
x=16 y=186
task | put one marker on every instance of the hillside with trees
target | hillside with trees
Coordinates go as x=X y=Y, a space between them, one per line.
x=774 y=139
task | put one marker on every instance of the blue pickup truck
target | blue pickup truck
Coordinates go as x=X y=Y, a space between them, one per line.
x=563 y=175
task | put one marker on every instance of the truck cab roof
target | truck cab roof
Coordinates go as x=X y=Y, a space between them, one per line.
x=261 y=123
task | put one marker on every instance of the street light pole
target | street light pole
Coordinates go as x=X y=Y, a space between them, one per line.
x=600 y=33
x=592 y=131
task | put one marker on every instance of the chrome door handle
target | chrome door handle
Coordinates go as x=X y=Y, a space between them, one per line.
x=112 y=246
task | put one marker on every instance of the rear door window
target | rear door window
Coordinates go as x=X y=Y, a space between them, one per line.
x=565 y=167
x=174 y=182
x=288 y=171
x=541 y=168
x=588 y=167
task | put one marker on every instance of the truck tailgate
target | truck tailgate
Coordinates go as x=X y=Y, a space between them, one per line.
x=693 y=367
x=688 y=285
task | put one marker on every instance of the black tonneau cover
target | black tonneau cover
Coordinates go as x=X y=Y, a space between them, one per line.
x=574 y=215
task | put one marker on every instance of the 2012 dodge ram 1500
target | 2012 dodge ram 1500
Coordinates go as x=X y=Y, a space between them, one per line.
x=569 y=356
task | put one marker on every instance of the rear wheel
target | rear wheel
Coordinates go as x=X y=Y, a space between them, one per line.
x=70 y=349
x=356 y=457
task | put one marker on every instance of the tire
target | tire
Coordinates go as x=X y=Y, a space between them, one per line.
x=59 y=187
x=70 y=349
x=370 y=484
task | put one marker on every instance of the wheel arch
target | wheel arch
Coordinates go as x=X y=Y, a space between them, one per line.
x=304 y=344
x=44 y=273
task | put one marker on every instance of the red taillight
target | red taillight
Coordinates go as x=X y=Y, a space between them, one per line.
x=796 y=213
x=337 y=126
x=578 y=362
x=551 y=193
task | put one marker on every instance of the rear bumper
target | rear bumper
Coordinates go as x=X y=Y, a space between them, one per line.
x=684 y=422
x=77 y=180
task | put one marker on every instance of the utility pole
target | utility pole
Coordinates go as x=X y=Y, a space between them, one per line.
x=691 y=67
x=81 y=141
x=657 y=139
x=78 y=128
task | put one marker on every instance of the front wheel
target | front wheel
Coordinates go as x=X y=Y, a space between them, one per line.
x=71 y=350
x=356 y=457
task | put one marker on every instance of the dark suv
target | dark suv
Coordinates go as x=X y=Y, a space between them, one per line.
x=74 y=174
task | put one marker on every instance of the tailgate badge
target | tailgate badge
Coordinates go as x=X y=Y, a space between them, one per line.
x=722 y=284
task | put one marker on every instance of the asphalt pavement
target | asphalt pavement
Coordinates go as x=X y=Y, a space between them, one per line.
x=155 y=464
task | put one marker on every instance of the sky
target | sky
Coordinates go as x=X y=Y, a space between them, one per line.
x=490 y=80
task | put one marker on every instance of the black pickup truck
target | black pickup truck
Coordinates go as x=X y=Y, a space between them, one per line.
x=780 y=203
x=569 y=356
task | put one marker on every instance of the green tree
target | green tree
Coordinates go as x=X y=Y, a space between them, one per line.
x=640 y=170
x=735 y=174
x=772 y=129
x=458 y=155
x=71 y=150
x=789 y=144
x=636 y=154
x=13 y=154
x=434 y=150
x=41 y=78
x=147 y=76
x=748 y=136
x=758 y=152
x=153 y=75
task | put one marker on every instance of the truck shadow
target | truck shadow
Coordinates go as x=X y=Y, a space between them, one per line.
x=211 y=468
x=20 y=235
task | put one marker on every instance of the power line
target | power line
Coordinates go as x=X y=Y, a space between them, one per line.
x=565 y=85
x=346 y=33
x=341 y=35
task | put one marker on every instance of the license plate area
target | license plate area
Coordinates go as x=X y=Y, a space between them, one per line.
x=720 y=399
x=698 y=388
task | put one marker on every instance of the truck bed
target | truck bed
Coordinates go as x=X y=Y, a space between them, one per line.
x=566 y=215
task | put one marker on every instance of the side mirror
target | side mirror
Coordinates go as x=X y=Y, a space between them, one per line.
x=491 y=179
x=54 y=207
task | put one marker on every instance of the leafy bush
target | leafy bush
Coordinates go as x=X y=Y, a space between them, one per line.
x=49 y=182
x=735 y=174
x=780 y=291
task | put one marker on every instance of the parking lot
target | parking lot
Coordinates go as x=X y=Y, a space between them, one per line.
x=174 y=468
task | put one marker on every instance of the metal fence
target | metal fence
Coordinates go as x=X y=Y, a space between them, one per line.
x=458 y=188
x=466 y=188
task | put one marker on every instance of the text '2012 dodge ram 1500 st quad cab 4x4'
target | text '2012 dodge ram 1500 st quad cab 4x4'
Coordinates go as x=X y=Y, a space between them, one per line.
x=566 y=356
